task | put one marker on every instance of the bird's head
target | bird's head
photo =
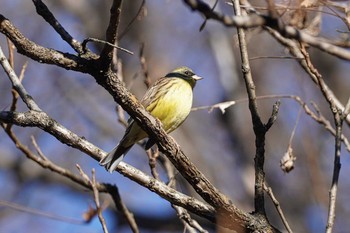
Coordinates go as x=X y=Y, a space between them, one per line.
x=186 y=74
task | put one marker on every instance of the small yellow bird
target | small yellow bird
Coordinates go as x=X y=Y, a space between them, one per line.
x=170 y=100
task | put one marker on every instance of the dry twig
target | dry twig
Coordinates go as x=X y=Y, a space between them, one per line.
x=95 y=191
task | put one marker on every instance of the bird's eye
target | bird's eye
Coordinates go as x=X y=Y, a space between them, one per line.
x=187 y=73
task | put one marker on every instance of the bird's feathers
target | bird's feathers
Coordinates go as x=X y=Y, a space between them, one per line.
x=114 y=157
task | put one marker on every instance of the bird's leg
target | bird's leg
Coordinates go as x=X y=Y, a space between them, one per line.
x=155 y=152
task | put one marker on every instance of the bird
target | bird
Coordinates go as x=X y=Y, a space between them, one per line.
x=169 y=99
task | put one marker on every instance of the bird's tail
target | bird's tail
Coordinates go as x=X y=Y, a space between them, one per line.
x=113 y=158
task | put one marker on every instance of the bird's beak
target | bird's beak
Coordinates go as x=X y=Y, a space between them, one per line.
x=196 y=77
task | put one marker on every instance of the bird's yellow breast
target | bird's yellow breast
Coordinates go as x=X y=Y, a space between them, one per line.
x=174 y=105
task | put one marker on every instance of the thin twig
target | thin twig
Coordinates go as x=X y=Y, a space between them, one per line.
x=15 y=94
x=152 y=161
x=144 y=67
x=256 y=20
x=295 y=50
x=141 y=9
x=120 y=205
x=206 y=19
x=346 y=110
x=190 y=224
x=336 y=172
x=87 y=40
x=338 y=120
x=294 y=129
x=319 y=118
x=95 y=191
x=38 y=150
x=120 y=111
x=278 y=207
x=273 y=57
x=40 y=213
x=111 y=34
x=44 y=11
x=11 y=49
x=273 y=116
x=17 y=85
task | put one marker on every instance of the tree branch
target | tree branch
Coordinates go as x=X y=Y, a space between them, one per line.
x=43 y=121
x=258 y=126
x=338 y=121
x=42 y=10
x=106 y=55
x=16 y=83
x=255 y=20
x=42 y=54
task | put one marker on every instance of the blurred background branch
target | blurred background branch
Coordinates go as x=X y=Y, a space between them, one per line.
x=220 y=144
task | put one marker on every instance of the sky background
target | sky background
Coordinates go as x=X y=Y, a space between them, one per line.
x=220 y=145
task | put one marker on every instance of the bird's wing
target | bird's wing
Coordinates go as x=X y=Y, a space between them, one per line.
x=152 y=93
x=150 y=96
x=146 y=100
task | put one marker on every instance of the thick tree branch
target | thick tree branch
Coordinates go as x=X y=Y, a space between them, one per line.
x=42 y=54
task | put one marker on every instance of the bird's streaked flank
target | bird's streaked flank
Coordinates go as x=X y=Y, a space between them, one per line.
x=170 y=100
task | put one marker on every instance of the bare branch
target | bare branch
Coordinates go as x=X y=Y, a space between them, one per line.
x=238 y=21
x=16 y=83
x=337 y=113
x=95 y=191
x=42 y=10
x=84 y=45
x=144 y=67
x=275 y=23
x=114 y=192
x=41 y=120
x=319 y=118
x=295 y=50
x=140 y=13
x=40 y=213
x=111 y=34
x=42 y=54
x=258 y=126
x=15 y=94
x=278 y=207
x=273 y=116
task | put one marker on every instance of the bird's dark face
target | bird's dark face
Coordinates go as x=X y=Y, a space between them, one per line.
x=186 y=74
